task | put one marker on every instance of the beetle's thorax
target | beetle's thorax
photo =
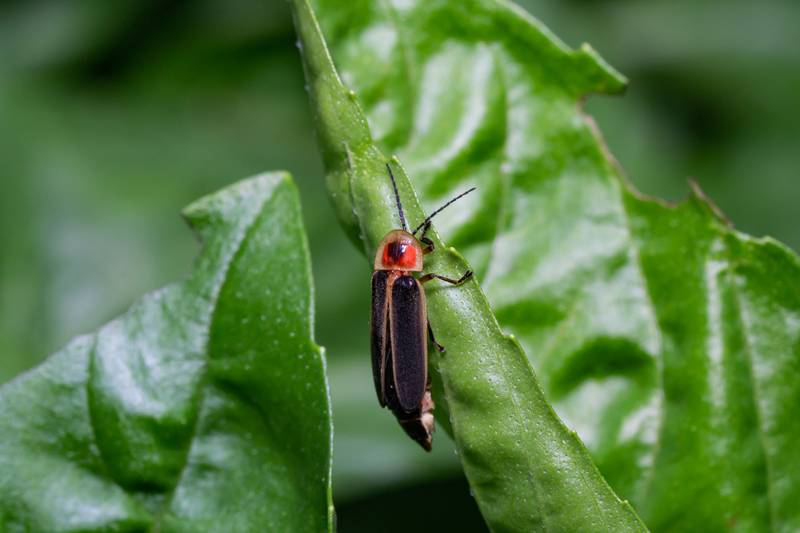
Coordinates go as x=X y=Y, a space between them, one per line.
x=399 y=250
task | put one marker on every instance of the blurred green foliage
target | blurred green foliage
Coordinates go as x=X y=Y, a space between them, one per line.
x=114 y=115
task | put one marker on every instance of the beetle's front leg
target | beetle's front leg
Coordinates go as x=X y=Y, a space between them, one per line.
x=429 y=246
x=427 y=277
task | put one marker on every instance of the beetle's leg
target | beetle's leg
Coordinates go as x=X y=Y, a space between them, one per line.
x=439 y=347
x=425 y=229
x=429 y=246
x=427 y=277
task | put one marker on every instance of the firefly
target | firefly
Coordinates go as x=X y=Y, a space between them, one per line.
x=400 y=327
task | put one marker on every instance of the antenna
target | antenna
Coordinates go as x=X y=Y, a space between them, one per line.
x=397 y=198
x=427 y=220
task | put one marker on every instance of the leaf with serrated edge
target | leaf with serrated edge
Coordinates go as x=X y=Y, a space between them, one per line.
x=668 y=340
x=526 y=469
x=203 y=408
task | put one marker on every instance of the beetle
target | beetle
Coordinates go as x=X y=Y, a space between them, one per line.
x=400 y=327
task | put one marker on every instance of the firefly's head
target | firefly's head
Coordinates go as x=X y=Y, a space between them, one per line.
x=399 y=250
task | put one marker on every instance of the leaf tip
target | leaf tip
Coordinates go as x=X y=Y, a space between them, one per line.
x=699 y=196
x=207 y=212
x=603 y=78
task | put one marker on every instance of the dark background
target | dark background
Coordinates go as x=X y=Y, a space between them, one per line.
x=116 y=114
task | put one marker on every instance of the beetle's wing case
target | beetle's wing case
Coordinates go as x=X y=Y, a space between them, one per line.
x=379 y=329
x=408 y=341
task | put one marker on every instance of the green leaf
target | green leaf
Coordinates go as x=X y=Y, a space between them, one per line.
x=526 y=469
x=203 y=408
x=668 y=340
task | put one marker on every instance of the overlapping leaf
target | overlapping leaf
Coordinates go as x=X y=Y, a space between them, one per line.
x=203 y=408
x=669 y=341
x=526 y=469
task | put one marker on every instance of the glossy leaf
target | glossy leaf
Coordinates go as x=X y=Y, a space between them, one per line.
x=667 y=340
x=526 y=469
x=203 y=408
